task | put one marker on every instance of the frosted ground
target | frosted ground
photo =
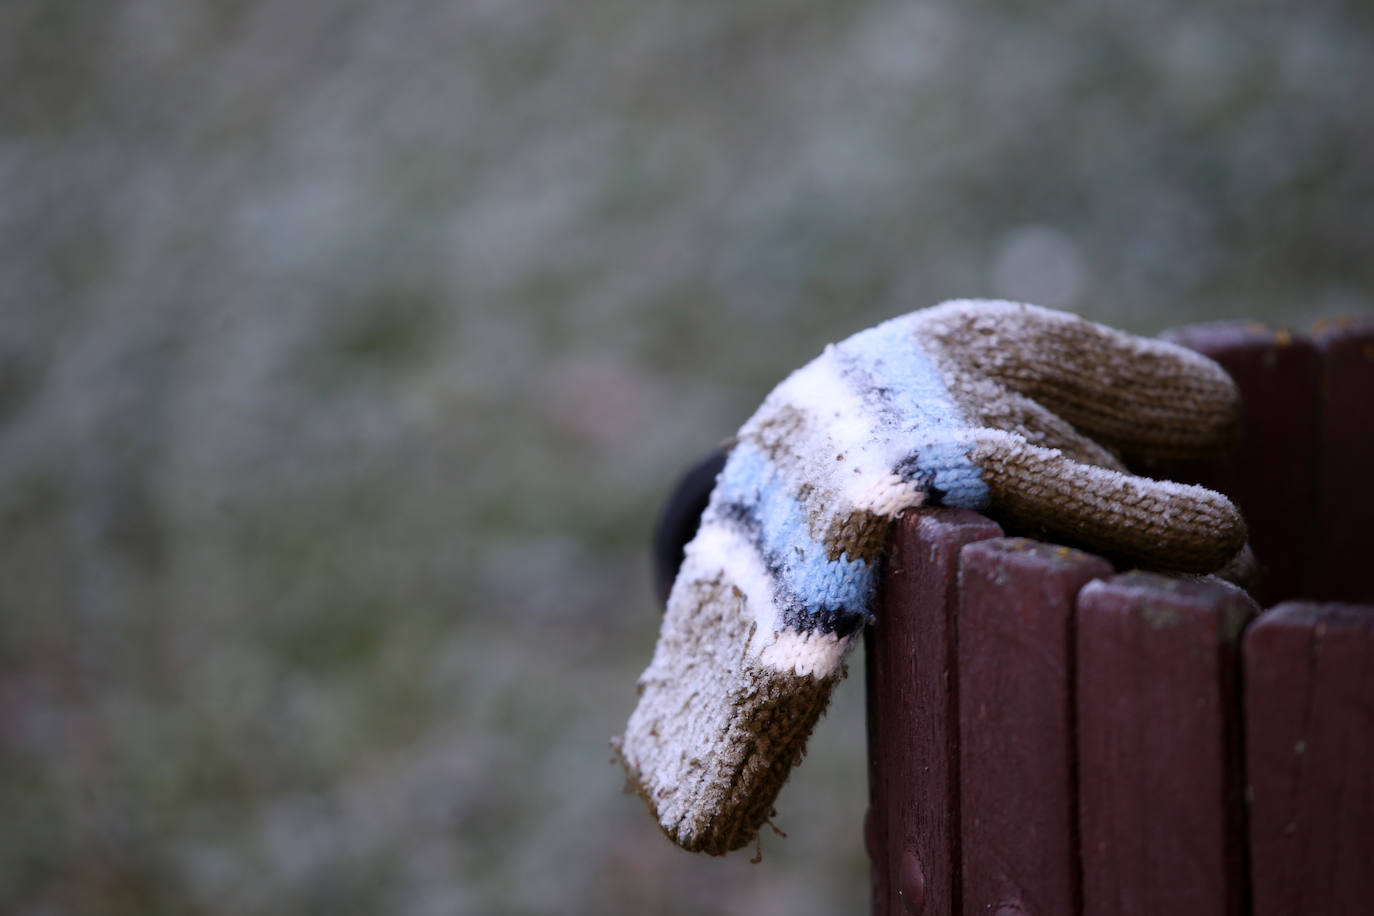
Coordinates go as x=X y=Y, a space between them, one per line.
x=347 y=349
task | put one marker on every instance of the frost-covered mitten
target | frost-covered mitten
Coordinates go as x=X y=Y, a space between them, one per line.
x=1008 y=408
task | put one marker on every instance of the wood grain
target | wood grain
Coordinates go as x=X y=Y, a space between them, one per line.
x=1344 y=539
x=1271 y=474
x=1016 y=715
x=1160 y=784
x=913 y=715
x=1309 y=698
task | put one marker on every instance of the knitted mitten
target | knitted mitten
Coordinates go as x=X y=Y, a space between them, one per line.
x=1008 y=408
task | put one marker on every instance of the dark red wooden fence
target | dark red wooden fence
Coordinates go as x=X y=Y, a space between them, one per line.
x=1047 y=736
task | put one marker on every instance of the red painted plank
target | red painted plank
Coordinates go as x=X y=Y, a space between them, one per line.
x=1019 y=817
x=1309 y=698
x=1271 y=474
x=1345 y=500
x=1161 y=807
x=913 y=716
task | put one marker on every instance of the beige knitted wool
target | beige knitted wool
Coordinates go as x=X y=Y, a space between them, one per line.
x=1074 y=396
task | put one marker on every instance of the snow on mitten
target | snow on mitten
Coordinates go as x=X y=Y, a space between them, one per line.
x=1012 y=409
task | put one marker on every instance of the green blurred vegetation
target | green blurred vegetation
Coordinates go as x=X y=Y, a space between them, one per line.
x=346 y=351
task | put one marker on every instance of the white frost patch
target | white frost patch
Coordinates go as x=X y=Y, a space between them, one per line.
x=806 y=653
x=718 y=549
x=839 y=425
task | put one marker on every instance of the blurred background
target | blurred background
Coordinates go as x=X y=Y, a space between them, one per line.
x=347 y=351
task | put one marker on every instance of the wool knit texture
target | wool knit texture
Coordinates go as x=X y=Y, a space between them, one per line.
x=1011 y=409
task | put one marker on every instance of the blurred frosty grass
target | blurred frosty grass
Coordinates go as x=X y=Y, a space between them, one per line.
x=346 y=351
